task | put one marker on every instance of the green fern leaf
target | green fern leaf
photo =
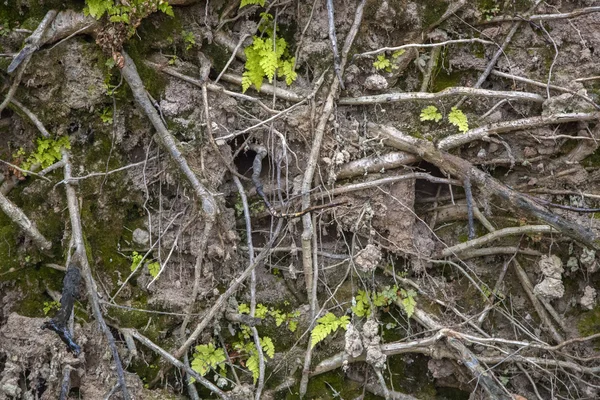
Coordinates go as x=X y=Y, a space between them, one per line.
x=382 y=62
x=287 y=70
x=268 y=59
x=267 y=346
x=154 y=269
x=430 y=113
x=457 y=118
x=252 y=365
x=408 y=302
x=245 y=3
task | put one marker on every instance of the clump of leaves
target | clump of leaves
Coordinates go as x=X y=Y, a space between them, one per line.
x=327 y=325
x=365 y=300
x=153 y=267
x=189 y=39
x=128 y=12
x=248 y=349
x=47 y=152
x=106 y=115
x=430 y=113
x=281 y=317
x=266 y=56
x=207 y=357
x=50 y=305
x=384 y=63
x=457 y=118
x=245 y=3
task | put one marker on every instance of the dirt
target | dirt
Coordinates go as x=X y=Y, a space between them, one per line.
x=151 y=209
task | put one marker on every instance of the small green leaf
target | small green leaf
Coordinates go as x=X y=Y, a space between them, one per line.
x=245 y=3
x=430 y=113
x=457 y=118
x=154 y=269
x=244 y=308
x=382 y=62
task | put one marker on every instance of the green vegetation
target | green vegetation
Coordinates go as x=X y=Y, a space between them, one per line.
x=50 y=305
x=207 y=357
x=153 y=267
x=387 y=64
x=326 y=325
x=267 y=56
x=248 y=352
x=365 y=300
x=251 y=2
x=46 y=153
x=430 y=113
x=456 y=117
x=130 y=12
x=281 y=317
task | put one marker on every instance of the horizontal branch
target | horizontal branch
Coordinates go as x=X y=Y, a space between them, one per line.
x=490 y=237
x=265 y=88
x=507 y=126
x=453 y=91
x=375 y=164
x=422 y=46
x=465 y=170
x=545 y=17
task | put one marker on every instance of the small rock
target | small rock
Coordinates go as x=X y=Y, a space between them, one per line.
x=376 y=82
x=588 y=260
x=588 y=300
x=368 y=258
x=551 y=266
x=140 y=236
x=550 y=288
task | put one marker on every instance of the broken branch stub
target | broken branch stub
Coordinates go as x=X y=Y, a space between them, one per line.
x=463 y=169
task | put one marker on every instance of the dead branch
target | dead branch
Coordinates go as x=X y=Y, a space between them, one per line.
x=308 y=263
x=174 y=361
x=81 y=258
x=210 y=86
x=38 y=124
x=32 y=44
x=422 y=46
x=543 y=17
x=375 y=164
x=129 y=72
x=537 y=304
x=461 y=168
x=29 y=228
x=266 y=88
x=490 y=237
x=451 y=91
x=333 y=40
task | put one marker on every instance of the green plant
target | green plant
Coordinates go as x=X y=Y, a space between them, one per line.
x=430 y=113
x=245 y=3
x=50 y=305
x=106 y=115
x=457 y=118
x=327 y=325
x=47 y=152
x=189 y=39
x=262 y=312
x=153 y=267
x=207 y=357
x=365 y=300
x=248 y=349
x=128 y=12
x=383 y=63
x=265 y=57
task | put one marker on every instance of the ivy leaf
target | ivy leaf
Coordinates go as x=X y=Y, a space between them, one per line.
x=382 y=62
x=430 y=113
x=457 y=118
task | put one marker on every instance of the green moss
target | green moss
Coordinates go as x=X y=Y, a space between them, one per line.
x=445 y=80
x=593 y=160
x=433 y=11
